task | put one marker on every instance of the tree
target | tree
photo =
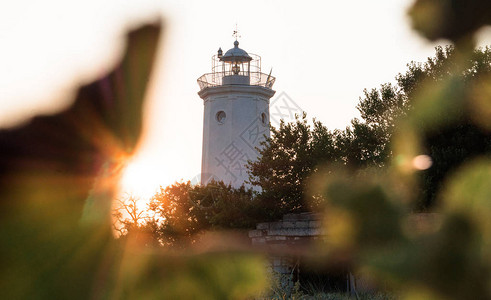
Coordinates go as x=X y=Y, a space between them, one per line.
x=182 y=211
x=128 y=215
x=296 y=150
x=286 y=161
x=459 y=140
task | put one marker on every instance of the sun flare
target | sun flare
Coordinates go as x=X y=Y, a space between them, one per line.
x=141 y=179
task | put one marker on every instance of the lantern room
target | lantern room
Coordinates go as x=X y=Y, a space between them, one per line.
x=235 y=62
x=235 y=67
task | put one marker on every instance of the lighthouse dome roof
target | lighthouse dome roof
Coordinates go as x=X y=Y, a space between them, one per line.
x=236 y=54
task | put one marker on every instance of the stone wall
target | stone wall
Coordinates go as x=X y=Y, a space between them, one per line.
x=294 y=231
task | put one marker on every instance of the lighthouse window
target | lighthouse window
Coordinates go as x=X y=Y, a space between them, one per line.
x=221 y=116
x=264 y=119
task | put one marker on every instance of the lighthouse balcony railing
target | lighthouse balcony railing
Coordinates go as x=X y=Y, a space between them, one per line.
x=216 y=79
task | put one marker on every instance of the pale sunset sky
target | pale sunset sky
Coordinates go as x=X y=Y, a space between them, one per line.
x=322 y=53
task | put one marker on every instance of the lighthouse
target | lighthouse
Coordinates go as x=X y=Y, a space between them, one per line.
x=236 y=98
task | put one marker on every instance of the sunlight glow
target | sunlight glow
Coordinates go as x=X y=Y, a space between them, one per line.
x=141 y=179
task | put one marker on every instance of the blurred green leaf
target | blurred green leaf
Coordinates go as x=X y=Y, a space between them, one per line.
x=57 y=168
x=450 y=19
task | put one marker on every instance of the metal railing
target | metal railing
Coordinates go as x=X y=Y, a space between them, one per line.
x=215 y=79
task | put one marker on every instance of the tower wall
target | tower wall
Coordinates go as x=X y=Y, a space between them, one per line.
x=229 y=140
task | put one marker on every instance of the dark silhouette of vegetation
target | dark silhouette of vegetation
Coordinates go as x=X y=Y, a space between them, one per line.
x=128 y=215
x=57 y=175
x=285 y=163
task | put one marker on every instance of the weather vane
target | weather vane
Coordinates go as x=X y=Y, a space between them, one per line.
x=236 y=34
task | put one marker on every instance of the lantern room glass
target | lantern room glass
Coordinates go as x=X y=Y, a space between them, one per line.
x=236 y=68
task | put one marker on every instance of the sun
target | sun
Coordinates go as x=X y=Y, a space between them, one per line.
x=141 y=178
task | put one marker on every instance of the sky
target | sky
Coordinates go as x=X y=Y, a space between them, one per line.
x=322 y=53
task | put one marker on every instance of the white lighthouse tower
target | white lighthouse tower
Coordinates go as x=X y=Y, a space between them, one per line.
x=236 y=114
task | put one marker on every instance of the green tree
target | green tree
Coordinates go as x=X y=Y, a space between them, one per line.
x=182 y=211
x=296 y=150
x=448 y=146
x=285 y=163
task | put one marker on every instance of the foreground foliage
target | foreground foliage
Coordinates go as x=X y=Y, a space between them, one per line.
x=58 y=174
x=366 y=219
